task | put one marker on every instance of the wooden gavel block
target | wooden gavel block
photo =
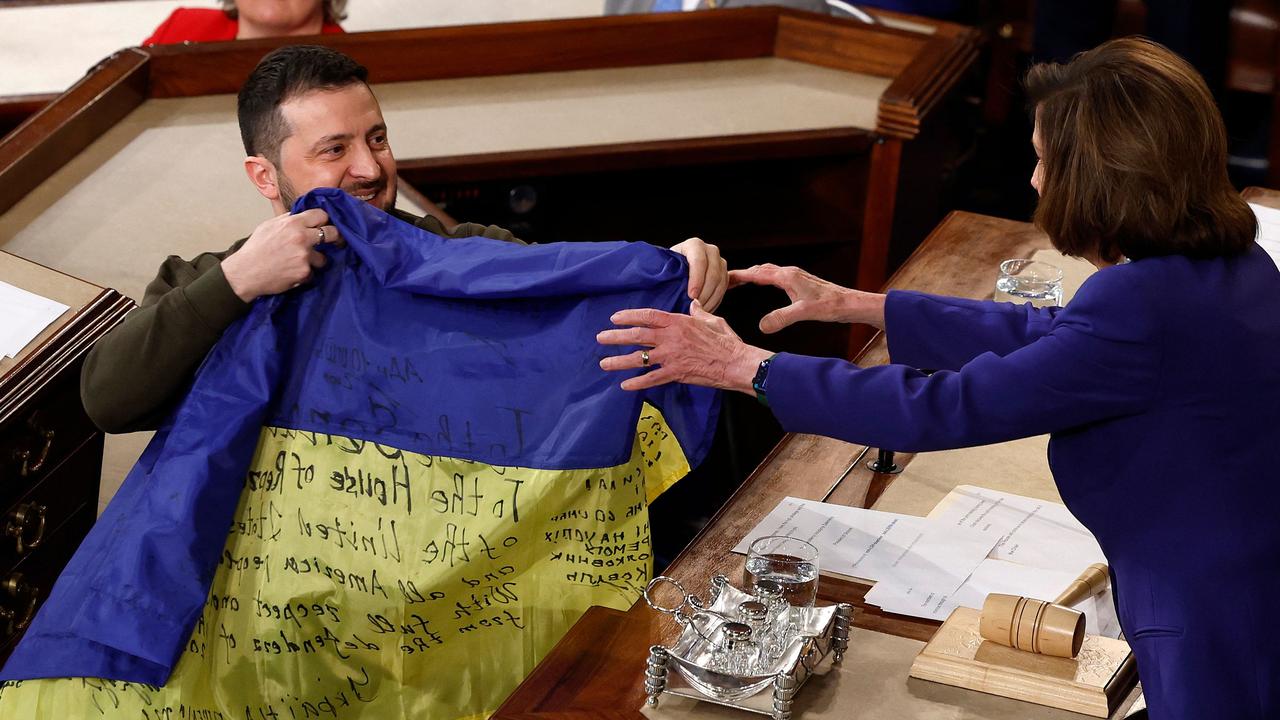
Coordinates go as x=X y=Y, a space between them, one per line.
x=1038 y=626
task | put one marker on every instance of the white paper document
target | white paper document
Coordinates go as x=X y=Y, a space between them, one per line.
x=23 y=316
x=1028 y=531
x=976 y=541
x=1268 y=230
x=996 y=576
x=875 y=545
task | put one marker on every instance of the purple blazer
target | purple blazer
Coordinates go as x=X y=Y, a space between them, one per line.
x=1160 y=388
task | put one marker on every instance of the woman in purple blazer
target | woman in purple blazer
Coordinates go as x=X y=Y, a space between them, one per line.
x=1159 y=384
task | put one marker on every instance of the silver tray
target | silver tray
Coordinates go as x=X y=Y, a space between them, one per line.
x=823 y=631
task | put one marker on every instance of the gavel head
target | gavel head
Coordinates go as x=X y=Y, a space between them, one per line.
x=1032 y=625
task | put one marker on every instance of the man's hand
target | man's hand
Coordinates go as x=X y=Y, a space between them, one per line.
x=812 y=298
x=708 y=272
x=279 y=255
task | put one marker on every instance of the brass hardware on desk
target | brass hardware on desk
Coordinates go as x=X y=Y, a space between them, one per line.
x=24 y=456
x=16 y=587
x=20 y=523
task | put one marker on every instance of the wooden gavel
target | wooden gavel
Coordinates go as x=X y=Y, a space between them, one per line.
x=1038 y=626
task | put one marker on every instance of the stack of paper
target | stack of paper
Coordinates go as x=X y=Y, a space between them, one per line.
x=23 y=315
x=976 y=541
x=909 y=552
x=1268 y=230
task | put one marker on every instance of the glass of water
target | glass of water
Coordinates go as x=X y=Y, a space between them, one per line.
x=790 y=562
x=1033 y=281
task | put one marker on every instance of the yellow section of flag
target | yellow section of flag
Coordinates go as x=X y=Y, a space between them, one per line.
x=362 y=581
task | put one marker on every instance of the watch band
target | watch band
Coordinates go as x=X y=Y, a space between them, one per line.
x=762 y=374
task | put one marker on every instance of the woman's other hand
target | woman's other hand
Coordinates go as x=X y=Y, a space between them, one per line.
x=698 y=349
x=812 y=298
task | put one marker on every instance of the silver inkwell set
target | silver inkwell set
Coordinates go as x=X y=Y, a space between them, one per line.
x=736 y=644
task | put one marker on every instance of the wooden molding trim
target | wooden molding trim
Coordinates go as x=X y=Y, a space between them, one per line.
x=72 y=342
x=16 y=108
x=630 y=156
x=845 y=44
x=929 y=76
x=51 y=137
x=485 y=50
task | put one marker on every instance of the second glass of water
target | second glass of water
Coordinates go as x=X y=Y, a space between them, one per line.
x=1022 y=281
x=790 y=562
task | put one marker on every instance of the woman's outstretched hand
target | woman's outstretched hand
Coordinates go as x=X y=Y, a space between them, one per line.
x=812 y=298
x=698 y=349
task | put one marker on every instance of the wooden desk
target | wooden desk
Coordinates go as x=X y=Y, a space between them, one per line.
x=50 y=452
x=597 y=669
x=1262 y=196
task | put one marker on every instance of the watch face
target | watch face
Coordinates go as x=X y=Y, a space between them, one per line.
x=761 y=373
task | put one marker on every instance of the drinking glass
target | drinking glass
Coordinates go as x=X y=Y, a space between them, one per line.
x=1033 y=281
x=790 y=562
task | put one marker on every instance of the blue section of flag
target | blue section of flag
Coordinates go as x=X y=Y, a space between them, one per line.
x=474 y=349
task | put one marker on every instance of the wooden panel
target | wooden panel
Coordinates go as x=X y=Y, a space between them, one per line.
x=882 y=191
x=50 y=453
x=61 y=350
x=482 y=50
x=67 y=125
x=924 y=67
x=15 y=109
x=48 y=430
x=846 y=44
x=41 y=568
x=924 y=82
x=634 y=156
x=1262 y=196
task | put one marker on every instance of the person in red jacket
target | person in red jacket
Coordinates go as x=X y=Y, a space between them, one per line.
x=247 y=19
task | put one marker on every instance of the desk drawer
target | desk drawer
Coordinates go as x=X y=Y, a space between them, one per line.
x=39 y=514
x=39 y=439
x=38 y=571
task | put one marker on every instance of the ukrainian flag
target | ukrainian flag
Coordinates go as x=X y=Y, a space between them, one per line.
x=385 y=496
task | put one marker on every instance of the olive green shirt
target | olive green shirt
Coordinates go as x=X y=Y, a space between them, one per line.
x=137 y=372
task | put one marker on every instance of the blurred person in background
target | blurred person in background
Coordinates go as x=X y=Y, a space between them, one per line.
x=248 y=19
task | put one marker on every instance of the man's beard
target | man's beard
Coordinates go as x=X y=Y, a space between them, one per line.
x=288 y=195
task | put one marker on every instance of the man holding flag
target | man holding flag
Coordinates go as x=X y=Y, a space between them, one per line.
x=397 y=477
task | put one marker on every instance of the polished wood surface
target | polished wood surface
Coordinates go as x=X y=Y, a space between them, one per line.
x=15 y=109
x=597 y=669
x=1262 y=196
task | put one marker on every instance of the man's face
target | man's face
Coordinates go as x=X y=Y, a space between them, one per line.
x=337 y=138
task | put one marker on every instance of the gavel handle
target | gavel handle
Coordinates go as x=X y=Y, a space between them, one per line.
x=1091 y=582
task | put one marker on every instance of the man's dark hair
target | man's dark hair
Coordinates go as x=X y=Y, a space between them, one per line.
x=283 y=74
